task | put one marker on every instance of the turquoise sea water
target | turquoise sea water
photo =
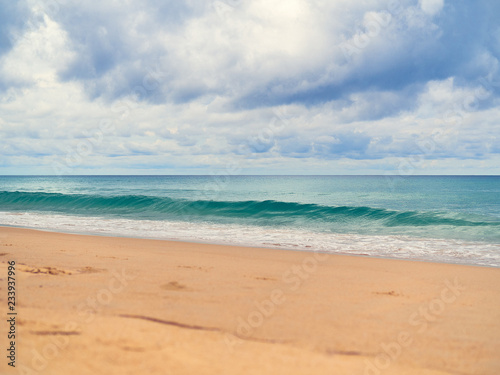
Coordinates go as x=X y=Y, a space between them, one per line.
x=444 y=218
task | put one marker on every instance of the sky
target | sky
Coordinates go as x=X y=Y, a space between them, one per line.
x=399 y=87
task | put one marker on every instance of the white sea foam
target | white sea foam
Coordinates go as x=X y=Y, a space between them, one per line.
x=402 y=247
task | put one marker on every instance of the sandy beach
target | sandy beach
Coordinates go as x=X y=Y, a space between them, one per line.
x=102 y=305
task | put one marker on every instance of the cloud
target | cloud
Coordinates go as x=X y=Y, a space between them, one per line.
x=288 y=85
x=15 y=20
x=431 y=6
x=257 y=53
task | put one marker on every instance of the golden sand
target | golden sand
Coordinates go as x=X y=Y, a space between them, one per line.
x=103 y=305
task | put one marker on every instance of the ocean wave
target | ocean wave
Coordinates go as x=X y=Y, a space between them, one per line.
x=267 y=212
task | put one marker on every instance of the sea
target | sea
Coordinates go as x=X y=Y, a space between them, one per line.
x=451 y=219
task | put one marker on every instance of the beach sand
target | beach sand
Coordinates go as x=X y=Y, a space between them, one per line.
x=102 y=305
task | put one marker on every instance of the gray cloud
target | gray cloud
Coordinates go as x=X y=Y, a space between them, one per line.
x=196 y=84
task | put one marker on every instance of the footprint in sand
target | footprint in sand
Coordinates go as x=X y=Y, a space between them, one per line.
x=390 y=293
x=206 y=269
x=58 y=271
x=44 y=270
x=173 y=285
x=55 y=333
x=265 y=278
x=91 y=270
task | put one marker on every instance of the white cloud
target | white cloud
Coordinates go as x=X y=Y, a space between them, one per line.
x=203 y=90
x=431 y=7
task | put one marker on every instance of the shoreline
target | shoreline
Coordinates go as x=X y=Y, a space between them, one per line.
x=111 y=305
x=193 y=241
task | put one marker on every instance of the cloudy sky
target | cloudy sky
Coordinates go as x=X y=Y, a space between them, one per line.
x=250 y=87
